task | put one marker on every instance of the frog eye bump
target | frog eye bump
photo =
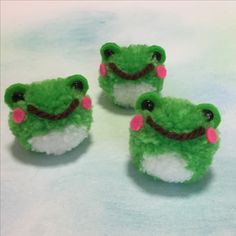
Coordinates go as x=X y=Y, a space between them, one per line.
x=15 y=93
x=17 y=96
x=147 y=105
x=108 y=53
x=108 y=50
x=78 y=85
x=157 y=56
x=209 y=115
x=148 y=102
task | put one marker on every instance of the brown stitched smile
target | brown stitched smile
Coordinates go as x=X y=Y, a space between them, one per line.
x=135 y=76
x=34 y=110
x=172 y=135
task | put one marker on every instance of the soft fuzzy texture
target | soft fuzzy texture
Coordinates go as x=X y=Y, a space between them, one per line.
x=180 y=116
x=59 y=142
x=168 y=167
x=126 y=94
x=51 y=96
x=129 y=59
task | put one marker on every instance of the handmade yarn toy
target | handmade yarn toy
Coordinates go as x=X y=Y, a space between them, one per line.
x=172 y=139
x=128 y=72
x=52 y=116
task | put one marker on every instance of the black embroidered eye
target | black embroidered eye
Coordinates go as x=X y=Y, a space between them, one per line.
x=17 y=96
x=108 y=53
x=208 y=114
x=157 y=56
x=77 y=85
x=147 y=105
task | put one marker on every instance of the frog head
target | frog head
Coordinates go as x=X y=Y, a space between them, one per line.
x=177 y=119
x=128 y=72
x=44 y=113
x=165 y=127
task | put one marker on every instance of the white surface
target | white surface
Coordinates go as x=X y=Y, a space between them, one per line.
x=59 y=142
x=168 y=167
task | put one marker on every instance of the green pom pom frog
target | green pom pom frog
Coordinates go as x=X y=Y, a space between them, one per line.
x=172 y=139
x=128 y=72
x=52 y=116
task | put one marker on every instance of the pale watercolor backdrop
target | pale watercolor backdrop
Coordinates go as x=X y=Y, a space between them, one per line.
x=94 y=189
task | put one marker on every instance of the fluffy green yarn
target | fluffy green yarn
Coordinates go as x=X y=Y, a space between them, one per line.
x=51 y=96
x=179 y=116
x=130 y=59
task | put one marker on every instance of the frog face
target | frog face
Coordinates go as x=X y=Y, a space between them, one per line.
x=52 y=116
x=128 y=72
x=174 y=131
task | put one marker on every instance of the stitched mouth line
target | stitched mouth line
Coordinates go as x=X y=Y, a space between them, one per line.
x=34 y=110
x=173 y=135
x=135 y=76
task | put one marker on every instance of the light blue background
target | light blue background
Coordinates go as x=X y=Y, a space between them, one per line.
x=94 y=189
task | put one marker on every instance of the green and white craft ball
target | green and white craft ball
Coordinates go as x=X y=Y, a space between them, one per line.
x=52 y=116
x=128 y=72
x=172 y=139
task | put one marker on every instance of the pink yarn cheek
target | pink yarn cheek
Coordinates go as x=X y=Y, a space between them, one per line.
x=161 y=72
x=18 y=115
x=136 y=123
x=211 y=135
x=86 y=103
x=103 y=70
